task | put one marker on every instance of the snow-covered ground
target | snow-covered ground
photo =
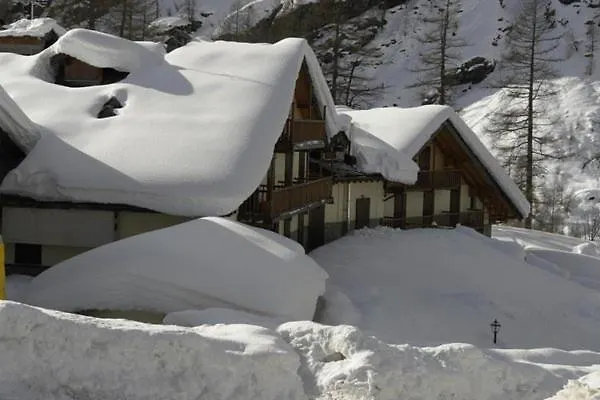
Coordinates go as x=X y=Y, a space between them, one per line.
x=56 y=356
x=428 y=287
x=411 y=288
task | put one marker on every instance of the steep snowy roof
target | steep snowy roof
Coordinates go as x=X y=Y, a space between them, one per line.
x=15 y=123
x=38 y=27
x=195 y=135
x=405 y=131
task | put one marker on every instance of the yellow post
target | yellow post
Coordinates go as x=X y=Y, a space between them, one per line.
x=2 y=272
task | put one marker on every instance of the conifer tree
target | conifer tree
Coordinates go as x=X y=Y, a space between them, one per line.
x=526 y=74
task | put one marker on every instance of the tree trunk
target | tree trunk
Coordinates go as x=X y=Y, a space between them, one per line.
x=443 y=46
x=336 y=60
x=530 y=94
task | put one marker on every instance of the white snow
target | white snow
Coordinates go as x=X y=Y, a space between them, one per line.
x=186 y=141
x=51 y=355
x=434 y=286
x=213 y=316
x=55 y=356
x=106 y=51
x=38 y=27
x=217 y=16
x=165 y=24
x=15 y=123
x=406 y=130
x=204 y=263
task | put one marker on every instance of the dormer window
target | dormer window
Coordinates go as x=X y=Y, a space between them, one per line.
x=73 y=72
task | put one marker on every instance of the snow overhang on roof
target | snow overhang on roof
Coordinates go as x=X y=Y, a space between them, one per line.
x=195 y=135
x=38 y=28
x=402 y=133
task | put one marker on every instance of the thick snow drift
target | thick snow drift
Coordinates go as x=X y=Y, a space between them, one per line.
x=185 y=142
x=209 y=262
x=568 y=257
x=406 y=130
x=38 y=27
x=433 y=286
x=55 y=356
x=343 y=363
x=51 y=355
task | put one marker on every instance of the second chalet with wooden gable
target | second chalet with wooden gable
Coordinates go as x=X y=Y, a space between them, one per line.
x=210 y=129
x=453 y=180
x=28 y=37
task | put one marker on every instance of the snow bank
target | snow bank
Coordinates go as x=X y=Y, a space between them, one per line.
x=535 y=239
x=51 y=355
x=38 y=27
x=177 y=110
x=434 y=286
x=16 y=287
x=342 y=363
x=407 y=130
x=586 y=388
x=580 y=268
x=209 y=262
x=213 y=316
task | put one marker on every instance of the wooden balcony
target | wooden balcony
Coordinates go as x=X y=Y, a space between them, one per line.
x=301 y=131
x=429 y=180
x=262 y=205
x=472 y=219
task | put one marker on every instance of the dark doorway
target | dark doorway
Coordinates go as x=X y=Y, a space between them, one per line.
x=427 y=208
x=400 y=209
x=363 y=212
x=316 y=228
x=454 y=206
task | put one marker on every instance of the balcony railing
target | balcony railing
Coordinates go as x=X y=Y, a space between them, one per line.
x=428 y=180
x=473 y=219
x=299 y=131
x=285 y=199
x=294 y=197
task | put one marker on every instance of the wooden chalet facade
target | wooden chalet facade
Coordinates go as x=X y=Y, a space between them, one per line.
x=291 y=199
x=453 y=187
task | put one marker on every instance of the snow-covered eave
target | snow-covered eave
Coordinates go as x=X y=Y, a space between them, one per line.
x=333 y=122
x=37 y=28
x=21 y=130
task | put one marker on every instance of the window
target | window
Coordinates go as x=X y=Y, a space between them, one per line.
x=30 y=254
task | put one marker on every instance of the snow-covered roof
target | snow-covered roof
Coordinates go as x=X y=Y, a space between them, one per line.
x=107 y=51
x=38 y=27
x=15 y=123
x=207 y=262
x=194 y=137
x=165 y=24
x=383 y=138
